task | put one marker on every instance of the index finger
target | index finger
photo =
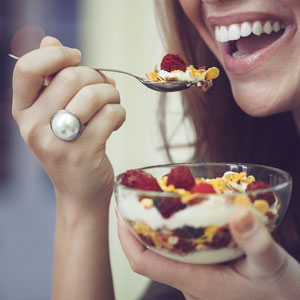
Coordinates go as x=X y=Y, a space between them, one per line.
x=31 y=70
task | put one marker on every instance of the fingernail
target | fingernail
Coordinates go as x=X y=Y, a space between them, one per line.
x=245 y=222
x=76 y=53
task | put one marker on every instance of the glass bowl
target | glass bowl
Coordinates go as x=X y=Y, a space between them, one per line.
x=199 y=233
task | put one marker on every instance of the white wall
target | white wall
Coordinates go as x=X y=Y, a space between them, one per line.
x=122 y=35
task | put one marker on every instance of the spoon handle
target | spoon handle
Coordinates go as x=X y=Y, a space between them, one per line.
x=96 y=69
x=13 y=56
x=116 y=71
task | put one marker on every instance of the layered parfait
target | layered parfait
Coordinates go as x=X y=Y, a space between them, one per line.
x=186 y=217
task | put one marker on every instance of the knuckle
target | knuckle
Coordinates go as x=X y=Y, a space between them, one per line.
x=122 y=112
x=113 y=92
x=90 y=74
x=23 y=68
x=135 y=265
x=15 y=113
x=113 y=112
x=70 y=76
x=61 y=54
x=121 y=115
x=29 y=133
x=109 y=111
x=89 y=92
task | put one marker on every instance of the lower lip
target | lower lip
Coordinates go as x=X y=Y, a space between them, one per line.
x=246 y=64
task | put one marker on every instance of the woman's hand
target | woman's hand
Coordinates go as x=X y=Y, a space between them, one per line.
x=266 y=273
x=79 y=170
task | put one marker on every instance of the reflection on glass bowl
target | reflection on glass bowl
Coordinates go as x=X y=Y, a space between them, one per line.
x=199 y=233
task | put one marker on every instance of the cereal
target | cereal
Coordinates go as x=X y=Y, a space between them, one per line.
x=173 y=68
x=242 y=200
x=147 y=202
x=261 y=205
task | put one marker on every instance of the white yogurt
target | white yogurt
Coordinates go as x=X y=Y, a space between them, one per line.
x=214 y=211
x=181 y=76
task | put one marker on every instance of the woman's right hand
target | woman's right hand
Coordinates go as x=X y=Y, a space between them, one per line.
x=79 y=170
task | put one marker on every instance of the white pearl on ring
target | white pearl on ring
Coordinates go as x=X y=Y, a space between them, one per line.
x=66 y=125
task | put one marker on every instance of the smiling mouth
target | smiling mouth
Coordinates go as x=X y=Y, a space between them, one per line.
x=241 y=40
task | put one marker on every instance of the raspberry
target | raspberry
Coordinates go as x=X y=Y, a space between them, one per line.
x=168 y=206
x=184 y=246
x=203 y=188
x=172 y=62
x=181 y=177
x=196 y=201
x=221 y=239
x=189 y=232
x=141 y=180
x=260 y=185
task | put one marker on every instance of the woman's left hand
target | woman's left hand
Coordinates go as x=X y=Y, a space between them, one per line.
x=266 y=272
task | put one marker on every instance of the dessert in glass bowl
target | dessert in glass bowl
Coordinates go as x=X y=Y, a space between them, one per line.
x=182 y=211
x=174 y=68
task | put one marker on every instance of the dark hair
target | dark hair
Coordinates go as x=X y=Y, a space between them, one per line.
x=224 y=132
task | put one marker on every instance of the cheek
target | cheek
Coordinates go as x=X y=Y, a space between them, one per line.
x=192 y=9
x=195 y=11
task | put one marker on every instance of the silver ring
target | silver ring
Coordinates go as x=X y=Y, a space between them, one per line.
x=66 y=126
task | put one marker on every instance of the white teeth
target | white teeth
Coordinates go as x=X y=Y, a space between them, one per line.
x=257 y=28
x=276 y=26
x=223 y=34
x=246 y=29
x=268 y=27
x=217 y=34
x=236 y=31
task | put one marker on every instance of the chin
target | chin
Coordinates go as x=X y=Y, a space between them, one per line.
x=261 y=101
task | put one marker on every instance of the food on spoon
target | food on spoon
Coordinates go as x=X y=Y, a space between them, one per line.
x=192 y=218
x=173 y=62
x=174 y=68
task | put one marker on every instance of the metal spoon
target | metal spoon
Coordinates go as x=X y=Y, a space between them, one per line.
x=160 y=86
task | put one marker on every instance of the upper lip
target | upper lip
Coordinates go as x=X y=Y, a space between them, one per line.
x=245 y=17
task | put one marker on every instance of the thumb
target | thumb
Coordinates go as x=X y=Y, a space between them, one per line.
x=263 y=256
x=49 y=41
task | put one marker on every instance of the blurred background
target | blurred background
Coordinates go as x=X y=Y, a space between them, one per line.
x=114 y=34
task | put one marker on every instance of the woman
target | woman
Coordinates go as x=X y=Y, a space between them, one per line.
x=225 y=130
